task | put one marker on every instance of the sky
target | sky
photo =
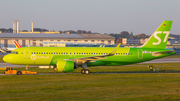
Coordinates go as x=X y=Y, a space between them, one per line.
x=102 y=16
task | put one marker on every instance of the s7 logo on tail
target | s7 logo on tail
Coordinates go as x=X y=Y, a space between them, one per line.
x=158 y=38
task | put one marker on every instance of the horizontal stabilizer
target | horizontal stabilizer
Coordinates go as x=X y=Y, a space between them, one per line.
x=160 y=53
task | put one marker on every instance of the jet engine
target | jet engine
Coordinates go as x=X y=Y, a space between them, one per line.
x=65 y=65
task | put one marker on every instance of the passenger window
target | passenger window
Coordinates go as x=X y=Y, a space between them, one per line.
x=37 y=53
x=42 y=53
x=16 y=52
x=31 y=52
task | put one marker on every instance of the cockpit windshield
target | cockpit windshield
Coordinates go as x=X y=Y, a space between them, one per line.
x=14 y=52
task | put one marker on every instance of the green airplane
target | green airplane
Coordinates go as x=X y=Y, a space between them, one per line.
x=65 y=59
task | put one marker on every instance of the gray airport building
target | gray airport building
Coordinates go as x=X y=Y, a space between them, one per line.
x=59 y=40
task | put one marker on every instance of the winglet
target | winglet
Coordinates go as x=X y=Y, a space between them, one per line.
x=115 y=49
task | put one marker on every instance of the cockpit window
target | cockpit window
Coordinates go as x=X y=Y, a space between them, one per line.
x=14 y=52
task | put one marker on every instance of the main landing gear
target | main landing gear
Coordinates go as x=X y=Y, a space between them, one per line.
x=85 y=70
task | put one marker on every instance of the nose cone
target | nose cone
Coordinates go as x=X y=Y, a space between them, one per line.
x=7 y=59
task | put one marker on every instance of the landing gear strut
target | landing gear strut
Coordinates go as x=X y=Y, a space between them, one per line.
x=85 y=70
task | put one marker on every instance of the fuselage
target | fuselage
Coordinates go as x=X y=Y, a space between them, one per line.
x=50 y=55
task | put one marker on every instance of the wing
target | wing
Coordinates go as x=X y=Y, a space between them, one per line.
x=80 y=61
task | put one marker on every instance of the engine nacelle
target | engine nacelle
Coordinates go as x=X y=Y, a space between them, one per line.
x=65 y=66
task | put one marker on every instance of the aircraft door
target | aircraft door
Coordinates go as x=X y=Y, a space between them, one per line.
x=26 y=53
x=140 y=54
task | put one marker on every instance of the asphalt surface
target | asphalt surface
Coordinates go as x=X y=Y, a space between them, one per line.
x=2 y=65
x=89 y=74
x=170 y=60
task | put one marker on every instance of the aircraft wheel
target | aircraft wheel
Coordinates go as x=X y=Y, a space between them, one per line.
x=86 y=71
x=83 y=71
x=19 y=72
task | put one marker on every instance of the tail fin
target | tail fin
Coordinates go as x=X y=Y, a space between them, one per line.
x=17 y=45
x=160 y=37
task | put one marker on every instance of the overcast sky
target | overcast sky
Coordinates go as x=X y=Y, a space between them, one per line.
x=103 y=16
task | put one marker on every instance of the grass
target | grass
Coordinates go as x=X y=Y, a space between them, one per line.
x=1 y=58
x=90 y=87
x=148 y=86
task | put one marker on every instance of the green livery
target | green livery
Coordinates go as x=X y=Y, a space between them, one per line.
x=66 y=59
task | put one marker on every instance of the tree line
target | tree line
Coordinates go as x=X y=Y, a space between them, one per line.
x=123 y=34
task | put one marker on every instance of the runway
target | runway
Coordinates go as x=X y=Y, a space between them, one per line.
x=170 y=60
x=3 y=64
x=90 y=73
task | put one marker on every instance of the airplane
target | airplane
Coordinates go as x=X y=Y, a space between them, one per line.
x=8 y=50
x=66 y=59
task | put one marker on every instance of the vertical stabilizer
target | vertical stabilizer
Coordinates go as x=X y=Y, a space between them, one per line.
x=17 y=45
x=160 y=37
